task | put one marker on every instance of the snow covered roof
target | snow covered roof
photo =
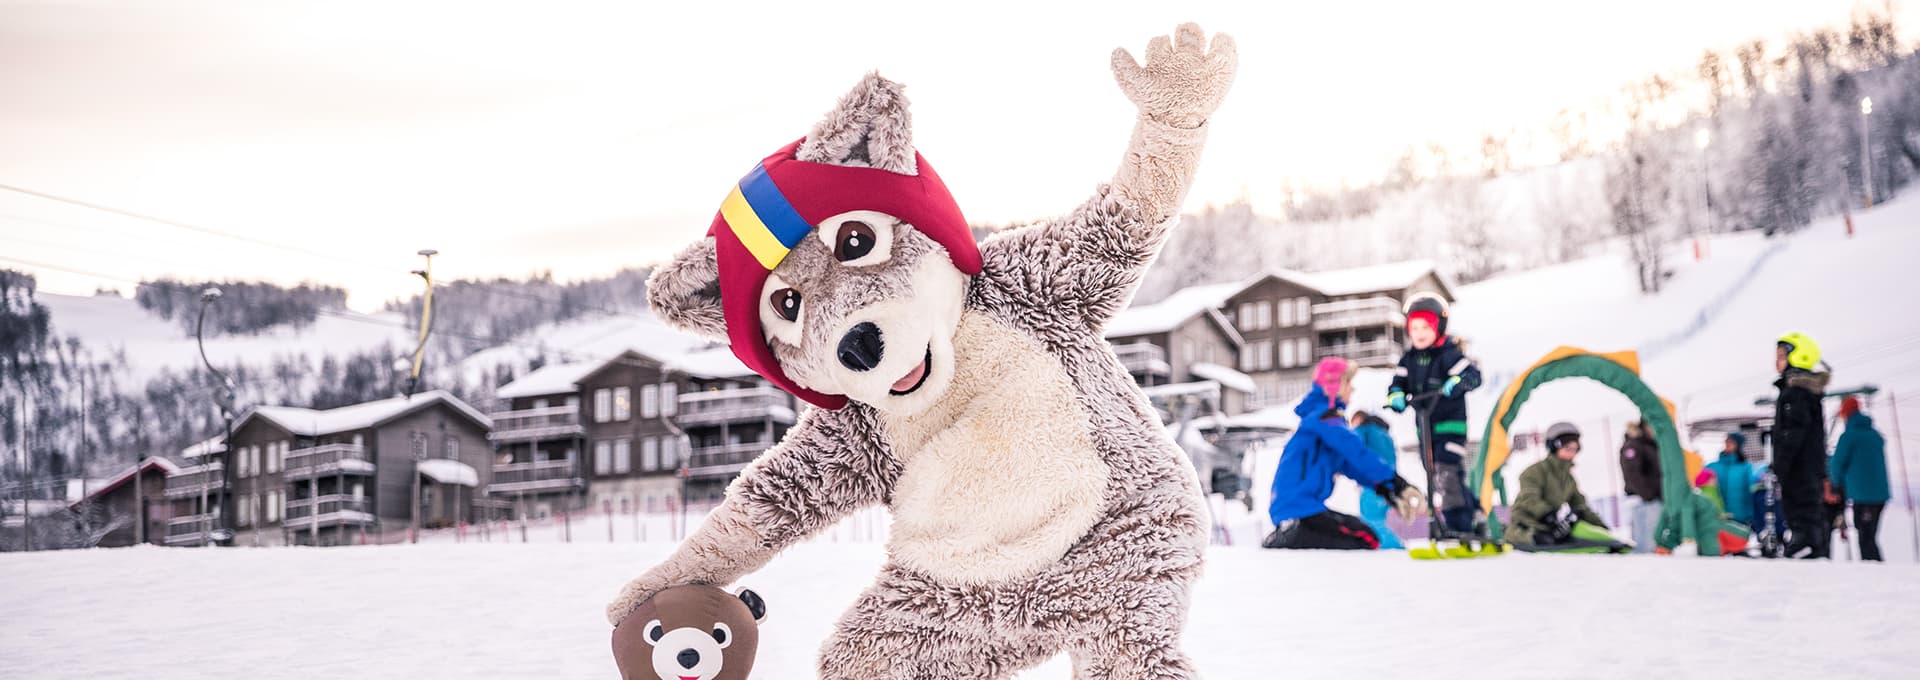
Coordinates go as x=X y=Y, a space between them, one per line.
x=449 y=471
x=311 y=423
x=1227 y=377
x=716 y=362
x=1373 y=279
x=215 y=444
x=1175 y=309
x=150 y=463
x=551 y=379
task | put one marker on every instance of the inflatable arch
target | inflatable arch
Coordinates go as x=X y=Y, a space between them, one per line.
x=1619 y=371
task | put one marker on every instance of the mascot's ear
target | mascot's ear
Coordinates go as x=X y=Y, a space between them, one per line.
x=869 y=128
x=754 y=604
x=686 y=292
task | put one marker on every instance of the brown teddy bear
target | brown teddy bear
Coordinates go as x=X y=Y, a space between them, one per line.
x=690 y=633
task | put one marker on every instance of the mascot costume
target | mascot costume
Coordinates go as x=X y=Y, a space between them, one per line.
x=1038 y=505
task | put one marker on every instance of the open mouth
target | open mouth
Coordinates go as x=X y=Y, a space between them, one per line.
x=914 y=378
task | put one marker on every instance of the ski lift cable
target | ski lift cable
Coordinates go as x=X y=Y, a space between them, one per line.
x=281 y=246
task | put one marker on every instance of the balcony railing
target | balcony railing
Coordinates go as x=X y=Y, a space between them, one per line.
x=539 y=475
x=327 y=459
x=190 y=482
x=1380 y=353
x=331 y=510
x=1143 y=358
x=753 y=403
x=196 y=530
x=1370 y=312
x=535 y=424
x=725 y=458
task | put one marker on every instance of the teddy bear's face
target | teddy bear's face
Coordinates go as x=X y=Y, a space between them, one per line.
x=866 y=307
x=688 y=653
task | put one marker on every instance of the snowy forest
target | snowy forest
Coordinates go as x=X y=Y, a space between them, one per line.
x=1768 y=136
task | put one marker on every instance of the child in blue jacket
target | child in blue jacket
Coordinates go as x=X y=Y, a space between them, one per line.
x=1321 y=447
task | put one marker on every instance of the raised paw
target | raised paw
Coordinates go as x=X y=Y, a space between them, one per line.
x=1184 y=78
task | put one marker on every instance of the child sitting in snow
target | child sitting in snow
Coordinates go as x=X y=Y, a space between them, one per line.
x=1548 y=493
x=1436 y=376
x=1320 y=448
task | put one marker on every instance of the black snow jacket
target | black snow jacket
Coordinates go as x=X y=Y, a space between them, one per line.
x=1640 y=467
x=1800 y=433
x=1424 y=370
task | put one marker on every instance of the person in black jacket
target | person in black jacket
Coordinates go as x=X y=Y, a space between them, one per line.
x=1436 y=366
x=1800 y=444
x=1640 y=472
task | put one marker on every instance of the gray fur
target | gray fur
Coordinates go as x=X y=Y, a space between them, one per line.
x=1116 y=600
x=686 y=292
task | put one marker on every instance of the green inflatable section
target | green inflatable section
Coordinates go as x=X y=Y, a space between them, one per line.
x=1653 y=412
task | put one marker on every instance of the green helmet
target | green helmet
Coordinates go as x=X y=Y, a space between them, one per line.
x=1802 y=352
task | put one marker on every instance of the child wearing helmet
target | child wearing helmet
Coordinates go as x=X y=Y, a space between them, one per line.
x=1800 y=443
x=1548 y=494
x=1435 y=376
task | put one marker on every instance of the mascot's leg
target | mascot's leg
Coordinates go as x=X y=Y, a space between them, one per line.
x=907 y=628
x=1137 y=642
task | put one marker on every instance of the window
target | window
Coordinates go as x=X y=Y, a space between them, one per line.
x=359 y=490
x=622 y=403
x=418 y=445
x=669 y=399
x=602 y=405
x=1305 y=313
x=602 y=457
x=1287 y=358
x=622 y=456
x=539 y=403
x=1263 y=355
x=451 y=448
x=1246 y=317
x=1305 y=350
x=240 y=462
x=1286 y=313
x=649 y=401
x=245 y=516
x=1263 y=314
x=273 y=506
x=650 y=454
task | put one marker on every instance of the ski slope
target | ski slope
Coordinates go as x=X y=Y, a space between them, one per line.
x=534 y=611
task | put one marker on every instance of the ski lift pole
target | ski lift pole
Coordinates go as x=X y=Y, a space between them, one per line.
x=426 y=319
x=1906 y=486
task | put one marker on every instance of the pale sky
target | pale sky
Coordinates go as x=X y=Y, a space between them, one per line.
x=524 y=137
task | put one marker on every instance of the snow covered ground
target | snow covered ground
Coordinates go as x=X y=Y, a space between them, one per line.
x=533 y=611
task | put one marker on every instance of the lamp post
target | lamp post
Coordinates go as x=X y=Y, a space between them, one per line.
x=1704 y=139
x=1866 y=151
x=224 y=398
x=426 y=318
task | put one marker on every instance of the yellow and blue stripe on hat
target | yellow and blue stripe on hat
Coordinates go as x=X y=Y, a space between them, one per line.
x=762 y=218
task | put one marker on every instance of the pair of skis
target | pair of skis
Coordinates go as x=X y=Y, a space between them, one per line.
x=1442 y=543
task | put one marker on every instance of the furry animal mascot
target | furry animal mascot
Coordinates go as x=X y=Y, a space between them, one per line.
x=1037 y=503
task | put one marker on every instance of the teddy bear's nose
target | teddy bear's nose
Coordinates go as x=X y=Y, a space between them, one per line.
x=688 y=658
x=861 y=348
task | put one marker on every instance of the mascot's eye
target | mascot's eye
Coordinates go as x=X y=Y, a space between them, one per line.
x=854 y=240
x=786 y=303
x=655 y=631
x=722 y=635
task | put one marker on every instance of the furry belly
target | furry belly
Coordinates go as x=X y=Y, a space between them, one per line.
x=1013 y=482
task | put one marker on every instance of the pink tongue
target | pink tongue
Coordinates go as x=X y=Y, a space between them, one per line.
x=911 y=378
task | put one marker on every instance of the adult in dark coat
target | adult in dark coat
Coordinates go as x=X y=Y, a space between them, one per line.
x=1640 y=472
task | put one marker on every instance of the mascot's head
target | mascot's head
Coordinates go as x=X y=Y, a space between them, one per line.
x=837 y=267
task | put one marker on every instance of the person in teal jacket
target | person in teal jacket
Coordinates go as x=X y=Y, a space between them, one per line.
x=1859 y=468
x=1373 y=508
x=1735 y=478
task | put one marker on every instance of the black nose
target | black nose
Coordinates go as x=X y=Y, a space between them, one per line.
x=688 y=658
x=861 y=348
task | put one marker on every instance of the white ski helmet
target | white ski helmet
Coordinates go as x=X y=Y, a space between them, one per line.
x=1559 y=433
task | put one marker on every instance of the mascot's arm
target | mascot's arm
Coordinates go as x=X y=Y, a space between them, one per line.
x=830 y=464
x=1091 y=260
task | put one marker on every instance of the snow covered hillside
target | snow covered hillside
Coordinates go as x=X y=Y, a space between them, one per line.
x=534 y=611
x=110 y=324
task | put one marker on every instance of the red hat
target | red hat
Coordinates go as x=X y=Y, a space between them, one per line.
x=776 y=205
x=1849 y=406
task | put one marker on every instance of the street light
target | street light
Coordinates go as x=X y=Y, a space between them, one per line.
x=224 y=398
x=1866 y=151
x=1703 y=138
x=426 y=318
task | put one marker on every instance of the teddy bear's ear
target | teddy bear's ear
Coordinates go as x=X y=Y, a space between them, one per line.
x=686 y=292
x=869 y=128
x=754 y=604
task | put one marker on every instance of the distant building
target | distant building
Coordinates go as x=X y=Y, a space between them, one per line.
x=322 y=477
x=128 y=508
x=198 y=497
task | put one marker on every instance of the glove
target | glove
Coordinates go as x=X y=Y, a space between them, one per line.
x=1560 y=532
x=1406 y=498
x=1397 y=401
x=1447 y=388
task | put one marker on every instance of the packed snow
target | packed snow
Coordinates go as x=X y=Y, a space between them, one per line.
x=308 y=422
